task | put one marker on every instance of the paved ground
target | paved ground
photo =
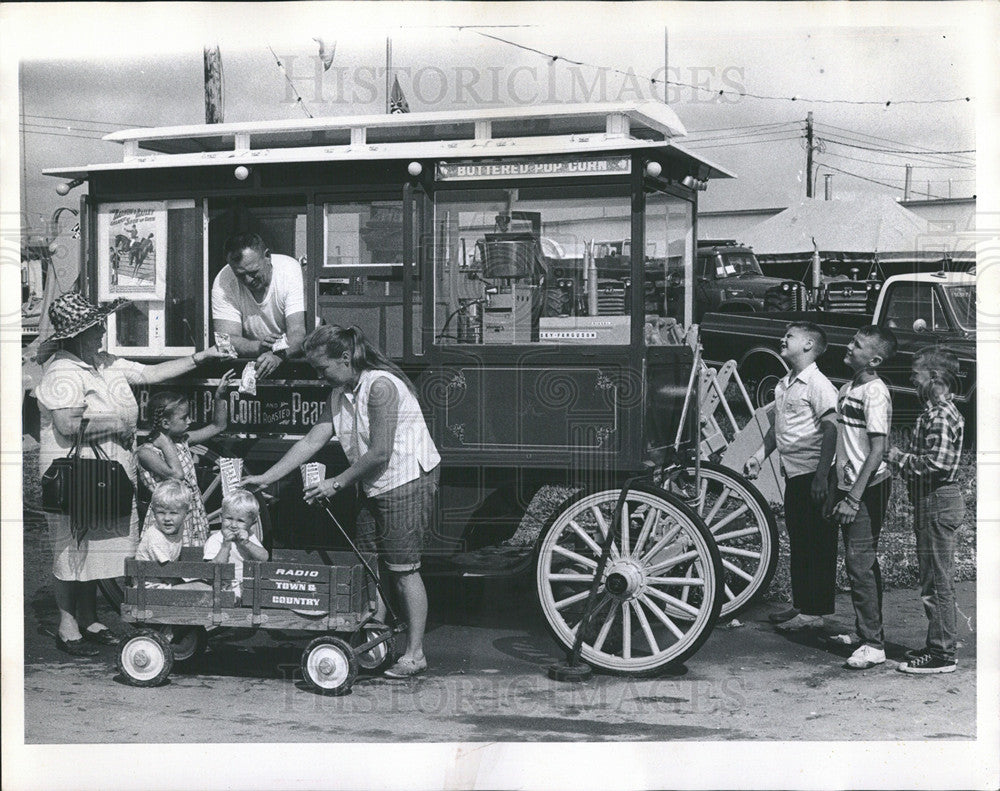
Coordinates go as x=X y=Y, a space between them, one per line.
x=487 y=682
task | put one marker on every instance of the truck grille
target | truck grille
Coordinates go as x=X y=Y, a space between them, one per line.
x=611 y=300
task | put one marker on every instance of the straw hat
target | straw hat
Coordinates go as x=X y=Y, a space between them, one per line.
x=72 y=313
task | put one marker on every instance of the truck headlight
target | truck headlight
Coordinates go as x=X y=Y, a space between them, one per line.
x=785 y=286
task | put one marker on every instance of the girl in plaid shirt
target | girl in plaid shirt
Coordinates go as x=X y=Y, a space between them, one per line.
x=929 y=467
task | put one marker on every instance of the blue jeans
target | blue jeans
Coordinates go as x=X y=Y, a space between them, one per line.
x=937 y=517
x=861 y=562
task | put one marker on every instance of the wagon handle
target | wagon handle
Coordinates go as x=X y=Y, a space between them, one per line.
x=400 y=626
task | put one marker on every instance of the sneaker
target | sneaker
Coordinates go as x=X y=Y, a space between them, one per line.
x=782 y=615
x=865 y=657
x=800 y=623
x=913 y=653
x=926 y=664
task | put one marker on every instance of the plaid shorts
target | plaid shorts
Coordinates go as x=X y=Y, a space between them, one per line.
x=393 y=523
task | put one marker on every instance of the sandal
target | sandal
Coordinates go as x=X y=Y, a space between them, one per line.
x=406 y=668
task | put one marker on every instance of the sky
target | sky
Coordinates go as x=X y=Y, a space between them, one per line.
x=84 y=73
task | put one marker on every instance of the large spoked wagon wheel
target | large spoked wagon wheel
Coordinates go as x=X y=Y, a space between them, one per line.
x=206 y=461
x=329 y=665
x=145 y=659
x=742 y=524
x=661 y=591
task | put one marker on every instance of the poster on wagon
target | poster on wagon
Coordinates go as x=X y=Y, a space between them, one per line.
x=132 y=251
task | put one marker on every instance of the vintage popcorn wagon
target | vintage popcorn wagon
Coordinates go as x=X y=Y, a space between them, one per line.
x=526 y=267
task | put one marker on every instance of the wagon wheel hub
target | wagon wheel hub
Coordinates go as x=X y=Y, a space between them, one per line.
x=140 y=659
x=326 y=667
x=625 y=579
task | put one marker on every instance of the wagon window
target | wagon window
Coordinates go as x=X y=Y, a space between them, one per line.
x=532 y=265
x=152 y=254
x=669 y=270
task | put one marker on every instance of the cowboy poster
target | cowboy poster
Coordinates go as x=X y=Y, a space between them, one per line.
x=131 y=249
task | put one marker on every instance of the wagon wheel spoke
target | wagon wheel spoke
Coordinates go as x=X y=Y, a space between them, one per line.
x=649 y=523
x=662 y=617
x=646 y=630
x=562 y=604
x=710 y=517
x=585 y=537
x=569 y=553
x=626 y=631
x=715 y=526
x=664 y=541
x=625 y=525
x=743 y=553
x=737 y=570
x=602 y=635
x=603 y=525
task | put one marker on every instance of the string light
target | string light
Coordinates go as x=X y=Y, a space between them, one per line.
x=298 y=97
x=721 y=92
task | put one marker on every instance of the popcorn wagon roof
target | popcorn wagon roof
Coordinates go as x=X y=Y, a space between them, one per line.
x=499 y=132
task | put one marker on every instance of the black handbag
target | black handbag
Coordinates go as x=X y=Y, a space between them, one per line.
x=90 y=491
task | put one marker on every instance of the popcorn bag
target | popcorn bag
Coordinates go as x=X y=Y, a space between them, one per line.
x=248 y=383
x=281 y=343
x=312 y=473
x=231 y=471
x=224 y=344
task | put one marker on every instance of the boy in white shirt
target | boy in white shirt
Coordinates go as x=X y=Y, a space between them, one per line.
x=805 y=435
x=864 y=416
x=162 y=541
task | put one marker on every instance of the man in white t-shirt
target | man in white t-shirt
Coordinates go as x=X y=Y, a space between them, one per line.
x=259 y=301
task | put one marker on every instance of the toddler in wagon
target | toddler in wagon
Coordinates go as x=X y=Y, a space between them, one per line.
x=237 y=541
x=162 y=540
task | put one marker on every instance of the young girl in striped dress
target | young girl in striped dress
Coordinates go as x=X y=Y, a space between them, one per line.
x=166 y=454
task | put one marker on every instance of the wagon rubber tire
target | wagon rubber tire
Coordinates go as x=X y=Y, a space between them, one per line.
x=145 y=658
x=376 y=659
x=329 y=665
x=733 y=540
x=643 y=622
x=187 y=642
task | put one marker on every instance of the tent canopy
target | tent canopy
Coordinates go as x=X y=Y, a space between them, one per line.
x=861 y=224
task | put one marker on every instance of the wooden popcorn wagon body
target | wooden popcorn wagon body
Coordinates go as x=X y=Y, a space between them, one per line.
x=532 y=270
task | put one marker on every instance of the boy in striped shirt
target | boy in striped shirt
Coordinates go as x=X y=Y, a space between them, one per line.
x=864 y=415
x=929 y=467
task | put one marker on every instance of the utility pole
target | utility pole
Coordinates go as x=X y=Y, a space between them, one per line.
x=809 y=154
x=906 y=182
x=388 y=75
x=666 y=65
x=213 y=85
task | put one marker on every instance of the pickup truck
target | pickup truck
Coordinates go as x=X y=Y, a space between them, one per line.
x=728 y=279
x=920 y=309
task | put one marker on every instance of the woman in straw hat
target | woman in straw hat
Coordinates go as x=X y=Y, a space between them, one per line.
x=81 y=381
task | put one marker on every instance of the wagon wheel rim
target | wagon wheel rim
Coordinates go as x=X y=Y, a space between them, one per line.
x=741 y=529
x=657 y=573
x=328 y=666
x=143 y=658
x=186 y=642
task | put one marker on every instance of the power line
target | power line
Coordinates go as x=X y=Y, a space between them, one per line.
x=115 y=124
x=66 y=128
x=897 y=165
x=876 y=181
x=861 y=137
x=61 y=134
x=743 y=126
x=922 y=156
x=722 y=91
x=701 y=145
x=899 y=151
x=784 y=128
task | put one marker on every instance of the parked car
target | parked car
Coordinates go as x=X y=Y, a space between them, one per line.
x=921 y=309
